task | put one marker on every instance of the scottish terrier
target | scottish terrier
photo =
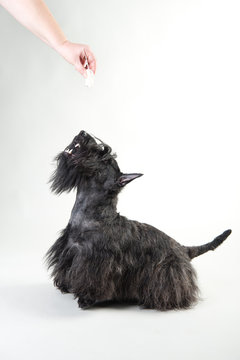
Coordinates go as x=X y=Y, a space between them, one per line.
x=102 y=256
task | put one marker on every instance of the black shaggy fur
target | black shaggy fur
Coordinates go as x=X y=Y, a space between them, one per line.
x=103 y=256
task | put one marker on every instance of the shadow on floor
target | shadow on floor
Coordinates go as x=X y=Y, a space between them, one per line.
x=39 y=299
x=44 y=300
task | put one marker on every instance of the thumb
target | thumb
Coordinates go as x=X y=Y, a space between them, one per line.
x=80 y=68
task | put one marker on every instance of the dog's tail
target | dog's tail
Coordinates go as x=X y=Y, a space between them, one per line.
x=194 y=251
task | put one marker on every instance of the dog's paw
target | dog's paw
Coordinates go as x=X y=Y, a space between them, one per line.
x=85 y=303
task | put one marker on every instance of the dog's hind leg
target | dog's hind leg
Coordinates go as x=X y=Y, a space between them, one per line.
x=171 y=285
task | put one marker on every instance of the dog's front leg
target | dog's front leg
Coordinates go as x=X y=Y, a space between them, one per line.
x=87 y=297
x=90 y=294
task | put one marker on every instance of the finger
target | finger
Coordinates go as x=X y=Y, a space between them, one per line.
x=82 y=58
x=79 y=67
x=91 y=60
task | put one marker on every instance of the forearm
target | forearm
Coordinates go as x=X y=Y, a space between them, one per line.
x=35 y=16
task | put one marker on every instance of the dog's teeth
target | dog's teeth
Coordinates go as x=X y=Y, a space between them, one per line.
x=69 y=151
x=77 y=145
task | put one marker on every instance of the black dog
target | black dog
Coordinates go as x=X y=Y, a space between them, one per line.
x=103 y=256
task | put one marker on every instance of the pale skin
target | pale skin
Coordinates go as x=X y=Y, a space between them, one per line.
x=36 y=17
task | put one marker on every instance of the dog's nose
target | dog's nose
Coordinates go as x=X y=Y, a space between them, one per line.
x=83 y=133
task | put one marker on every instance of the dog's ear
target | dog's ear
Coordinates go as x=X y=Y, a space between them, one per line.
x=124 y=179
x=65 y=177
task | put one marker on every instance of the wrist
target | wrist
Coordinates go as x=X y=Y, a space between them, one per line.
x=63 y=48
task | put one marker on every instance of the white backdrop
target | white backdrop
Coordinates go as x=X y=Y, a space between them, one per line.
x=166 y=98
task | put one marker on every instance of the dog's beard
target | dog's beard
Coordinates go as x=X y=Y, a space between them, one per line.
x=66 y=176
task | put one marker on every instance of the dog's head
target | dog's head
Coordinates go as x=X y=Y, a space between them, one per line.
x=86 y=161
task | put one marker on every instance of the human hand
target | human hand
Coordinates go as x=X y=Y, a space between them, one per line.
x=36 y=17
x=76 y=54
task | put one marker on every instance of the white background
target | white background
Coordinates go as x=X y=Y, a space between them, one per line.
x=166 y=98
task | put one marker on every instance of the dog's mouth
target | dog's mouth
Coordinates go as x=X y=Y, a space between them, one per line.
x=82 y=139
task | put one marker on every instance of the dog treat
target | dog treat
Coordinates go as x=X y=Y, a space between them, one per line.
x=101 y=255
x=89 y=81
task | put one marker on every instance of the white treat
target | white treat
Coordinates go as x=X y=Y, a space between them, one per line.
x=89 y=81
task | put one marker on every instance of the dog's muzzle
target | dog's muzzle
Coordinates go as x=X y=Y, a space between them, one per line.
x=81 y=139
